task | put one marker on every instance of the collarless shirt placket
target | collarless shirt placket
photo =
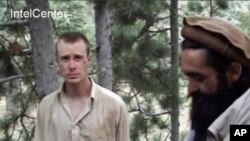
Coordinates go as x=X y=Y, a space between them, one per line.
x=75 y=127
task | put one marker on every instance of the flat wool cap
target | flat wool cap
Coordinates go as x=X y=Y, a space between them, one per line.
x=218 y=35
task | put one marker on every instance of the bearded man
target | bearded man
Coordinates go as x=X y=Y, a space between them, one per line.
x=216 y=60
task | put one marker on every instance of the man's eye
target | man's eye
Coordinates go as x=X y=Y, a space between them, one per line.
x=78 y=57
x=198 y=78
x=65 y=58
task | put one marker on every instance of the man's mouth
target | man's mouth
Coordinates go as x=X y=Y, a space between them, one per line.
x=72 y=75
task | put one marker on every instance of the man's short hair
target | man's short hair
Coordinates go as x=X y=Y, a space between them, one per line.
x=72 y=37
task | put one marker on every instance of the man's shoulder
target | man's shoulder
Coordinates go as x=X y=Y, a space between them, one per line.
x=50 y=98
x=245 y=96
x=240 y=103
x=237 y=113
x=109 y=95
x=45 y=106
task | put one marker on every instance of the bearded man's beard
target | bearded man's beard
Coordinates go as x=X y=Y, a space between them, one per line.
x=205 y=108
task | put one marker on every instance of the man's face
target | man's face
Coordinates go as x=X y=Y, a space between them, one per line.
x=200 y=76
x=73 y=61
x=210 y=95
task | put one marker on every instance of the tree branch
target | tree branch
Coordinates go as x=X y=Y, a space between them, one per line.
x=157 y=114
x=2 y=80
x=162 y=18
x=2 y=36
x=14 y=22
x=54 y=26
x=149 y=114
x=24 y=52
x=143 y=30
x=157 y=31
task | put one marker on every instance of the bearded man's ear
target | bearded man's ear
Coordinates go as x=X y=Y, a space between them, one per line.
x=234 y=72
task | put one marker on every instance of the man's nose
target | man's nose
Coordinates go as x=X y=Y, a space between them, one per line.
x=192 y=87
x=72 y=64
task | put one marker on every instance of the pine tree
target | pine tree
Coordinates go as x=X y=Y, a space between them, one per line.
x=141 y=65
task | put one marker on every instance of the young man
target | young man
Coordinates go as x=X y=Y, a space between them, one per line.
x=80 y=110
x=215 y=58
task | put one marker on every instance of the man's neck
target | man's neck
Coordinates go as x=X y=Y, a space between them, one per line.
x=79 y=90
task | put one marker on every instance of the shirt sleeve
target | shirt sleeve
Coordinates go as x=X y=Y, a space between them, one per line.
x=122 y=133
x=39 y=127
x=210 y=137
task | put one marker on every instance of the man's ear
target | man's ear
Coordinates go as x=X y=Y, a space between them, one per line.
x=56 y=65
x=89 y=59
x=234 y=72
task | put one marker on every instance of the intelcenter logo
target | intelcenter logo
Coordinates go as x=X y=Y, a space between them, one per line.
x=37 y=13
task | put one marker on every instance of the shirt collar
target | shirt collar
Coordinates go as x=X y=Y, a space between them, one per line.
x=93 y=93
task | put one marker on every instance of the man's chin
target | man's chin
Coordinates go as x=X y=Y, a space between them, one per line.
x=72 y=80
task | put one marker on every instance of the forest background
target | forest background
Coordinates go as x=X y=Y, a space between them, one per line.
x=135 y=53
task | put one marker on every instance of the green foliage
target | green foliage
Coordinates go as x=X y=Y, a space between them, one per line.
x=195 y=6
x=141 y=59
x=223 y=4
x=143 y=124
x=20 y=123
x=143 y=62
x=140 y=49
x=16 y=123
x=207 y=8
x=244 y=17
x=81 y=19
x=130 y=11
x=137 y=127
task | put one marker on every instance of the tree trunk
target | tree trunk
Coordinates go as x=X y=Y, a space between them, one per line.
x=174 y=71
x=43 y=49
x=104 y=57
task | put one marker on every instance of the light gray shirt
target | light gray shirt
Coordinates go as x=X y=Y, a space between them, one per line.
x=238 y=113
x=105 y=118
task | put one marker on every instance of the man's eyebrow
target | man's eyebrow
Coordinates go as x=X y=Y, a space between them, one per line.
x=66 y=55
x=78 y=55
x=190 y=73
